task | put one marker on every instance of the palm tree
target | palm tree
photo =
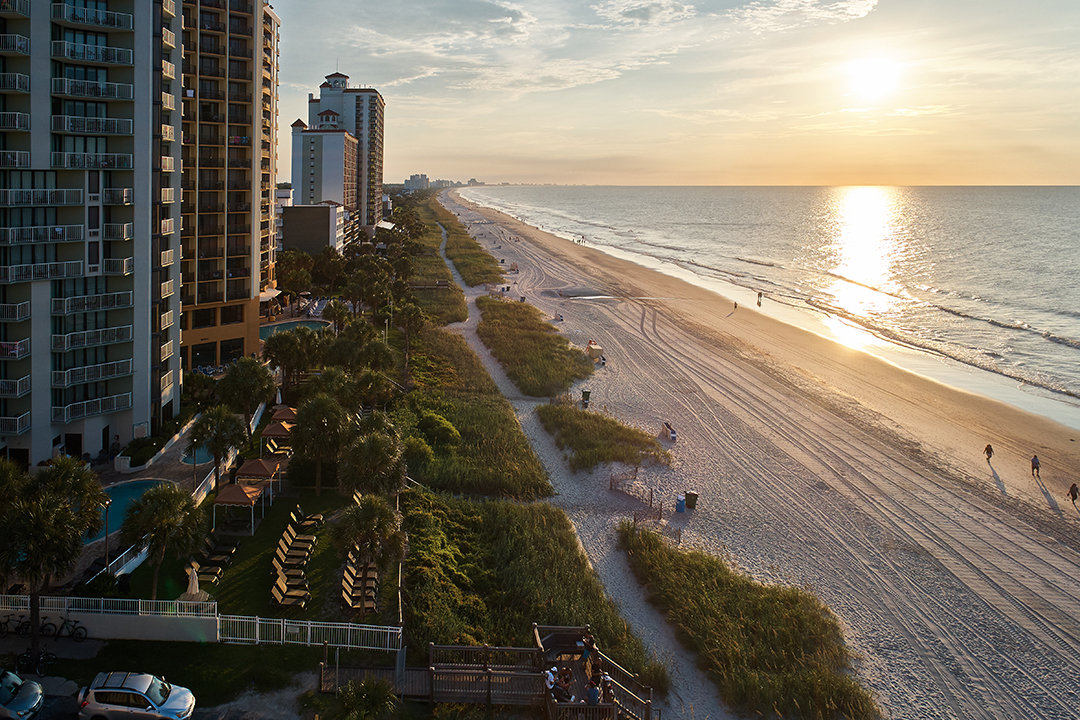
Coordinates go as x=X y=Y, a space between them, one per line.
x=373 y=464
x=247 y=384
x=42 y=523
x=218 y=429
x=200 y=388
x=165 y=518
x=370 y=699
x=338 y=384
x=321 y=424
x=411 y=320
x=377 y=355
x=372 y=528
x=336 y=312
x=354 y=292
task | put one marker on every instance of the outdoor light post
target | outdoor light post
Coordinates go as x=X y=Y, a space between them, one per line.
x=108 y=502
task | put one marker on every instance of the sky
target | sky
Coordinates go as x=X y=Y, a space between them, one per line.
x=712 y=92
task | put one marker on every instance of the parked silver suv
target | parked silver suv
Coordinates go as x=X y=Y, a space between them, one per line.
x=134 y=696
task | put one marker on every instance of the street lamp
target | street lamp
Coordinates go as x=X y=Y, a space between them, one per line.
x=107 y=503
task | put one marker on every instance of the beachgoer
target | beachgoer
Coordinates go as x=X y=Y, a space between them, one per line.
x=759 y=299
x=736 y=306
x=1035 y=467
x=607 y=689
x=1074 y=493
x=989 y=452
x=589 y=642
x=549 y=681
x=592 y=694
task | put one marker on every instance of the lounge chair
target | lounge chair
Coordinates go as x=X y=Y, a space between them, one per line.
x=296 y=540
x=315 y=518
x=286 y=600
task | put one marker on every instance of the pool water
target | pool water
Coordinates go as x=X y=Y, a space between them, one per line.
x=202 y=455
x=121 y=495
x=267 y=330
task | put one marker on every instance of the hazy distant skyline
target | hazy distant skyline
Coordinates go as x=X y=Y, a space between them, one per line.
x=659 y=92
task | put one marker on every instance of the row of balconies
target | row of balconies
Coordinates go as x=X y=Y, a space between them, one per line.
x=91 y=373
x=86 y=125
x=91 y=89
x=87 y=408
x=92 y=338
x=113 y=161
x=81 y=52
x=41 y=234
x=92 y=303
x=20 y=198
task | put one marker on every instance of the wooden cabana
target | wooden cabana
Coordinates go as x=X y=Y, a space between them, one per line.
x=239 y=496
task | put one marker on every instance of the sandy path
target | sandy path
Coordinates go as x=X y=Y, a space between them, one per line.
x=957 y=583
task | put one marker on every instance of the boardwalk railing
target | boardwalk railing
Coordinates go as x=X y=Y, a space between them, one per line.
x=279 y=631
x=484 y=656
x=491 y=687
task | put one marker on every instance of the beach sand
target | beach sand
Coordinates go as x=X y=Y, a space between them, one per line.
x=956 y=581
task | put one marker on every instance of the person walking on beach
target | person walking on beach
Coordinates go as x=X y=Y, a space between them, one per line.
x=989 y=453
x=1035 y=467
x=1074 y=493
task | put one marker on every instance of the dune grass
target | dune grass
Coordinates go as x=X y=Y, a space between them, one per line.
x=768 y=648
x=485 y=572
x=494 y=456
x=538 y=360
x=443 y=305
x=594 y=438
x=475 y=266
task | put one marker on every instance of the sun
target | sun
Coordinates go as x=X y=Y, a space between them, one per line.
x=873 y=78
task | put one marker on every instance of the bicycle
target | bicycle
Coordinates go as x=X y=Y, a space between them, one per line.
x=9 y=625
x=74 y=630
x=47 y=629
x=26 y=662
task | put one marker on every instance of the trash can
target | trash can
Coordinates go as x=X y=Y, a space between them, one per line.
x=691 y=500
x=585 y=399
x=680 y=503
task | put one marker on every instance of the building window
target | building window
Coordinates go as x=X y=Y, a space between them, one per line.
x=204 y=318
x=230 y=315
x=205 y=354
x=232 y=350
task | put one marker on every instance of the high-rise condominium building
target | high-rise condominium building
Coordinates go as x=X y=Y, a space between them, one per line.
x=89 y=224
x=324 y=163
x=359 y=111
x=229 y=97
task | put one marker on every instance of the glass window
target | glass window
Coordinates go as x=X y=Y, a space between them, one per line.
x=205 y=354
x=232 y=350
x=232 y=314
x=203 y=318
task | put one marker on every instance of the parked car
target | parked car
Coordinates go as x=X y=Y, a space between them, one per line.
x=134 y=696
x=19 y=699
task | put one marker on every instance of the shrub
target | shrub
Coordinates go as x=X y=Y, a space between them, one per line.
x=417 y=452
x=438 y=430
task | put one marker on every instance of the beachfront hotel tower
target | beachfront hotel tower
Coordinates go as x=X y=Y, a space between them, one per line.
x=324 y=162
x=359 y=112
x=229 y=98
x=89 y=224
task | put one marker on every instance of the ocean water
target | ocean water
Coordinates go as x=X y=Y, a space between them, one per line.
x=978 y=287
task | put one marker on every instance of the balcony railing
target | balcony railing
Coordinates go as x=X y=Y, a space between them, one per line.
x=168 y=163
x=15 y=388
x=41 y=233
x=15 y=7
x=75 y=411
x=168 y=101
x=91 y=125
x=169 y=6
x=117 y=196
x=14 y=349
x=168 y=37
x=118 y=266
x=40 y=271
x=92 y=303
x=14 y=159
x=118 y=231
x=166 y=320
x=14 y=82
x=114 y=161
x=166 y=382
x=168 y=257
x=14 y=45
x=92 y=338
x=167 y=288
x=167 y=225
x=91 y=53
x=14 y=312
x=18 y=198
x=90 y=373
x=15 y=425
x=95 y=18
x=168 y=70
x=168 y=195
x=167 y=351
x=93 y=89
x=14 y=121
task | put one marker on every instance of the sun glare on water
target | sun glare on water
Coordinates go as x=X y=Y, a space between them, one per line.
x=873 y=78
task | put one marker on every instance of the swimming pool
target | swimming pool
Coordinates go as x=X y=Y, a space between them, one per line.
x=121 y=495
x=267 y=330
x=202 y=455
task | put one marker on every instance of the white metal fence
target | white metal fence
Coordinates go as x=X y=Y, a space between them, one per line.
x=111 y=606
x=279 y=631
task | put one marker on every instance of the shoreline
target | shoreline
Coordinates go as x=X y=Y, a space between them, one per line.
x=1058 y=406
x=824 y=467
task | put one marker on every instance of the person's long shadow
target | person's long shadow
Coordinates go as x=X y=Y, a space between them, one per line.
x=997 y=479
x=1050 y=500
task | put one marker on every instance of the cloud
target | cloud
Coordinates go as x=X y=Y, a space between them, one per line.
x=639 y=13
x=771 y=16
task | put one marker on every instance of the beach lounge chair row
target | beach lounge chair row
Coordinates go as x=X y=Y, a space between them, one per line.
x=359 y=584
x=290 y=562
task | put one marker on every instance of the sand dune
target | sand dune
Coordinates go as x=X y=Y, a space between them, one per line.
x=957 y=581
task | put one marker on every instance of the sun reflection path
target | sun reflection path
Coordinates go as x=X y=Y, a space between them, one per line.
x=867 y=250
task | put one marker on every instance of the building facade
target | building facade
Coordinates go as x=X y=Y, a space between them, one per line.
x=313 y=227
x=324 y=164
x=89 y=224
x=229 y=101
x=359 y=111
